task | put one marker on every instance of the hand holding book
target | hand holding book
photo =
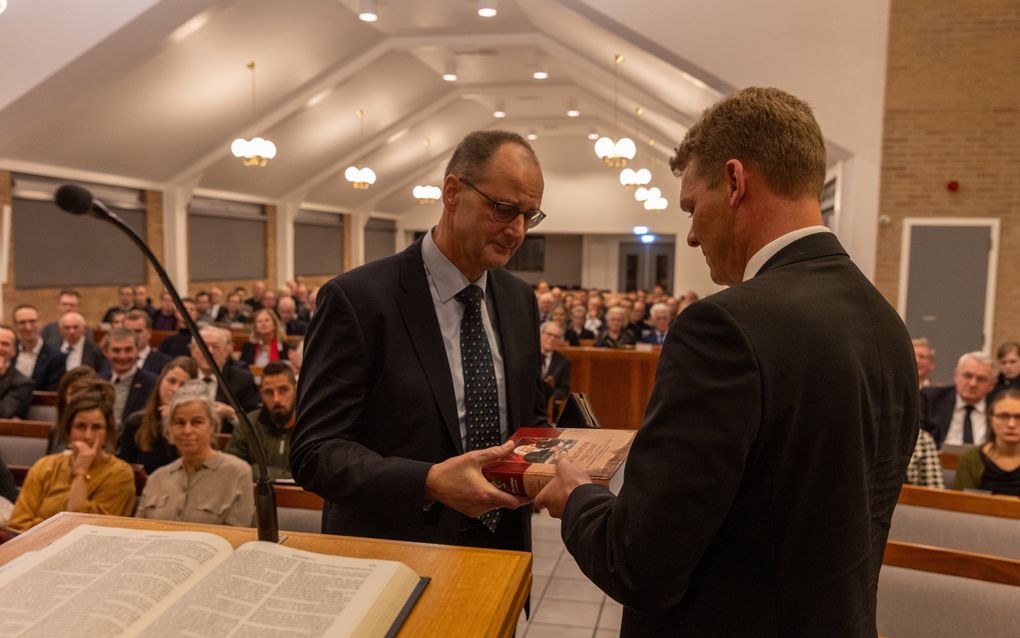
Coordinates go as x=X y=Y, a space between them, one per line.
x=457 y=482
x=553 y=496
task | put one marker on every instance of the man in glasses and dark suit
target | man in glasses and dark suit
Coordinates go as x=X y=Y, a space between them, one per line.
x=419 y=365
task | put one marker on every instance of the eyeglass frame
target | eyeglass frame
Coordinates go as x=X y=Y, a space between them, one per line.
x=532 y=218
x=1006 y=417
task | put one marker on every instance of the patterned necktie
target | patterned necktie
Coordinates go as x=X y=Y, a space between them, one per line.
x=968 y=427
x=481 y=397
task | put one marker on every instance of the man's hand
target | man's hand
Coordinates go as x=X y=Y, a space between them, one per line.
x=457 y=482
x=553 y=496
x=226 y=412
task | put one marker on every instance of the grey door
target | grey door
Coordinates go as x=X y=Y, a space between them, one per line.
x=947 y=284
x=646 y=266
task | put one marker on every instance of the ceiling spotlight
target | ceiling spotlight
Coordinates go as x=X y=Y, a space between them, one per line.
x=593 y=135
x=366 y=12
x=500 y=111
x=540 y=75
x=487 y=8
x=532 y=136
x=572 y=110
x=647 y=239
x=641 y=230
x=450 y=70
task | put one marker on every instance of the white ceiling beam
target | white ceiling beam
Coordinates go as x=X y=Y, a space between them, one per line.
x=422 y=111
x=297 y=101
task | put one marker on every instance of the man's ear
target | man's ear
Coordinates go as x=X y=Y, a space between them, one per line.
x=451 y=192
x=736 y=182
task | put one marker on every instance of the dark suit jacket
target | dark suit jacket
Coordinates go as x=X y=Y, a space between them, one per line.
x=937 y=405
x=156 y=361
x=93 y=357
x=651 y=337
x=243 y=385
x=559 y=370
x=50 y=365
x=248 y=351
x=15 y=393
x=142 y=385
x=573 y=337
x=50 y=334
x=758 y=492
x=178 y=345
x=376 y=403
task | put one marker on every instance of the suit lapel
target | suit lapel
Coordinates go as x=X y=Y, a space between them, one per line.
x=510 y=344
x=419 y=315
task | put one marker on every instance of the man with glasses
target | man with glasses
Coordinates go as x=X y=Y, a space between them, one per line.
x=958 y=414
x=555 y=367
x=419 y=365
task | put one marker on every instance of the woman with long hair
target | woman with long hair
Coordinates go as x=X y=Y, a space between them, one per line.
x=142 y=442
x=268 y=341
x=87 y=477
x=995 y=466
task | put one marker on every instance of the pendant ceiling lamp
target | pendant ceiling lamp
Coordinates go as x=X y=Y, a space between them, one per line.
x=257 y=151
x=360 y=178
x=615 y=153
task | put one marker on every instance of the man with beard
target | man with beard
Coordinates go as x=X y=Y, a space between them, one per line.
x=273 y=422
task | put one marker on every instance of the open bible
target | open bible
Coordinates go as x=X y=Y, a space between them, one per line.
x=100 y=581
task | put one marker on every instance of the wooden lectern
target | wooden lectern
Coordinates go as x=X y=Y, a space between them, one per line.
x=474 y=592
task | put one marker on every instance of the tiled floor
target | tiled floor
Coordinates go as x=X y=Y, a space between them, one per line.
x=564 y=603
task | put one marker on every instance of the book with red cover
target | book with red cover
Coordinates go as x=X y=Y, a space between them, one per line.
x=530 y=466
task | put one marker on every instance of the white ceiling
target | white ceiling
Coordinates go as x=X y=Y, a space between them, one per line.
x=158 y=97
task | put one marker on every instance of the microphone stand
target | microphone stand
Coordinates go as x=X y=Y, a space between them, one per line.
x=265 y=497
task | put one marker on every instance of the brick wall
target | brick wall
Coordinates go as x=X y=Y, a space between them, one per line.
x=953 y=113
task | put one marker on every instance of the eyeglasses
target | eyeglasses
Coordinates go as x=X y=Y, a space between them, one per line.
x=505 y=212
x=1006 y=417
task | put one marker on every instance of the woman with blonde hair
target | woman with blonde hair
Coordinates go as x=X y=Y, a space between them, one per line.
x=204 y=485
x=268 y=341
x=142 y=442
x=87 y=478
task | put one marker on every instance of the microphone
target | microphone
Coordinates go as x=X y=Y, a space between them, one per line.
x=77 y=200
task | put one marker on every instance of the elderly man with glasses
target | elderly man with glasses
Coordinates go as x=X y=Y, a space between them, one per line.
x=419 y=365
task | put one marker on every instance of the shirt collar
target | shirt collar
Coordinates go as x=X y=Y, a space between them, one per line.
x=446 y=277
x=979 y=407
x=213 y=463
x=769 y=250
x=35 y=350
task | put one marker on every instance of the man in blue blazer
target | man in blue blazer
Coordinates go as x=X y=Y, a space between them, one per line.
x=383 y=408
x=758 y=492
x=131 y=385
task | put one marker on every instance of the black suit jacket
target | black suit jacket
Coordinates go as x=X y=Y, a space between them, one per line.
x=142 y=385
x=93 y=357
x=937 y=405
x=573 y=337
x=156 y=361
x=248 y=351
x=50 y=365
x=178 y=345
x=242 y=383
x=758 y=492
x=15 y=393
x=376 y=403
x=559 y=370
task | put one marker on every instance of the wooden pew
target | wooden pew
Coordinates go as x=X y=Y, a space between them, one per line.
x=23 y=442
x=933 y=591
x=958 y=520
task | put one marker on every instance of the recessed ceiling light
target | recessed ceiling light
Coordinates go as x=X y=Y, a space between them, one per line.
x=532 y=136
x=593 y=135
x=3 y=6
x=499 y=113
x=540 y=75
x=487 y=8
x=450 y=71
x=367 y=11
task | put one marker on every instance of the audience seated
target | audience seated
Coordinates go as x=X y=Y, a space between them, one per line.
x=268 y=300
x=143 y=441
x=203 y=304
x=67 y=301
x=35 y=358
x=87 y=478
x=132 y=386
x=125 y=303
x=1008 y=355
x=232 y=311
x=203 y=485
x=594 y=319
x=925 y=468
x=166 y=317
x=924 y=356
x=239 y=379
x=15 y=388
x=636 y=324
x=215 y=302
x=267 y=342
x=287 y=312
x=273 y=422
x=555 y=367
x=179 y=345
x=255 y=301
x=957 y=414
x=559 y=317
x=138 y=322
x=80 y=379
x=301 y=300
x=661 y=318
x=614 y=335
x=79 y=350
x=995 y=466
x=142 y=301
x=577 y=331
x=545 y=305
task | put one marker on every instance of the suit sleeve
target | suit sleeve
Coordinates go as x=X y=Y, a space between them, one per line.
x=326 y=455
x=18 y=398
x=684 y=468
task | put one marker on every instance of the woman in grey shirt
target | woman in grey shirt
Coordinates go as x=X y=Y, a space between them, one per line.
x=204 y=485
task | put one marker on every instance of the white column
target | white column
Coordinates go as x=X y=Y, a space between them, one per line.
x=286 y=213
x=175 y=231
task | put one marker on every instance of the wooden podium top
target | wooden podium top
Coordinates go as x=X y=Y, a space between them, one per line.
x=474 y=592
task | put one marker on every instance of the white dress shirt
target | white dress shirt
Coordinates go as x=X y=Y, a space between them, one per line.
x=74 y=353
x=978 y=422
x=27 y=358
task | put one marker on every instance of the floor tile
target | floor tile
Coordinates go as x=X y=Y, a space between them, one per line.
x=542 y=565
x=607 y=633
x=567 y=612
x=567 y=568
x=580 y=589
x=610 y=617
x=553 y=547
x=543 y=630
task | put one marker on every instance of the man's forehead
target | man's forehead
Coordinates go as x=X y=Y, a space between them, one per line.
x=975 y=366
x=274 y=381
x=122 y=342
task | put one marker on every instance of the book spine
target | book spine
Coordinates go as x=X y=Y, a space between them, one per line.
x=507 y=479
